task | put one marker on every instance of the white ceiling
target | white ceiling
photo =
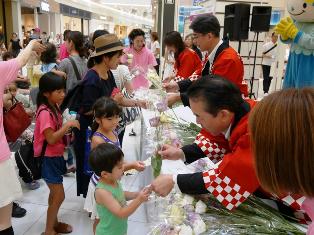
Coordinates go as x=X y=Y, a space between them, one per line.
x=138 y=3
x=125 y=10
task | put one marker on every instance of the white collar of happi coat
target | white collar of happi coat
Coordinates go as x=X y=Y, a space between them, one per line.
x=228 y=132
x=212 y=55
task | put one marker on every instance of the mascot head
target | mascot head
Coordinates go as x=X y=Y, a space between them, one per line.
x=301 y=10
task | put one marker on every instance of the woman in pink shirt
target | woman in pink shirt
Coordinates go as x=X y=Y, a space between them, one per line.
x=282 y=127
x=63 y=53
x=10 y=188
x=139 y=58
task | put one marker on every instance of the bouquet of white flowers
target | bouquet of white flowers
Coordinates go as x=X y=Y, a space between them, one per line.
x=180 y=217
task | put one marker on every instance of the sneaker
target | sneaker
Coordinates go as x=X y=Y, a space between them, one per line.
x=17 y=211
x=33 y=185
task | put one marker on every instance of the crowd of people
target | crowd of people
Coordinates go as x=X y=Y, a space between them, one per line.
x=262 y=148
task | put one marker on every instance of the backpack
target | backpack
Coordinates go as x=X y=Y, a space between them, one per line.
x=29 y=166
x=73 y=98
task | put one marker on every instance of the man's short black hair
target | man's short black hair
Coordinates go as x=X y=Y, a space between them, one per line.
x=206 y=24
x=105 y=157
x=217 y=93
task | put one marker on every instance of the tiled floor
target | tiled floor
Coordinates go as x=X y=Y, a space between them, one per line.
x=35 y=202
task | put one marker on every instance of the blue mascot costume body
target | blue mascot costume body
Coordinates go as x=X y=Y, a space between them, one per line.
x=299 y=32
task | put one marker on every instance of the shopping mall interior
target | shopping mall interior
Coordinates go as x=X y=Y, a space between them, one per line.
x=160 y=117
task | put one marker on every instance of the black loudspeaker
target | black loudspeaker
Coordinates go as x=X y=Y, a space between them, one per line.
x=261 y=16
x=236 y=22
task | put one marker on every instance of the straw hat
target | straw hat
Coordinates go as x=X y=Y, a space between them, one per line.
x=106 y=43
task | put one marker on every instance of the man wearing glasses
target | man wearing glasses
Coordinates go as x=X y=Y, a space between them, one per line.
x=220 y=59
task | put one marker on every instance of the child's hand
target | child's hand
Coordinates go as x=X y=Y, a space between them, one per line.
x=142 y=104
x=118 y=97
x=144 y=194
x=139 y=166
x=73 y=123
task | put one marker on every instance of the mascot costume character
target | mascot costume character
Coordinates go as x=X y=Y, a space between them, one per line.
x=299 y=32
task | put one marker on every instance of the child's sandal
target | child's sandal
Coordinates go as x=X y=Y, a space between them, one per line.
x=63 y=228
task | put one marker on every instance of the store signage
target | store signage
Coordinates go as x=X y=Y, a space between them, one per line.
x=74 y=11
x=44 y=6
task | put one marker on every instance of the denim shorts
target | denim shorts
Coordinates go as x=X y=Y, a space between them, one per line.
x=53 y=168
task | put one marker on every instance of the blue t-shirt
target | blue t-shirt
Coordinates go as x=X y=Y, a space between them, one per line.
x=45 y=68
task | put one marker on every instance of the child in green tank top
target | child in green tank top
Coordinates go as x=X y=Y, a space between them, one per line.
x=107 y=162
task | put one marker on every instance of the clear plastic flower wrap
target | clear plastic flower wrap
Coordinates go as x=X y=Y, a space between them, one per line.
x=179 y=217
x=136 y=71
x=251 y=217
x=154 y=79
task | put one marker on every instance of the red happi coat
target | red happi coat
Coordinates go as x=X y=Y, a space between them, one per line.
x=187 y=62
x=234 y=179
x=227 y=64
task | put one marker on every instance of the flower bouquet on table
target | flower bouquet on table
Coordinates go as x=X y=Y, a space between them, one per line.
x=187 y=216
x=181 y=217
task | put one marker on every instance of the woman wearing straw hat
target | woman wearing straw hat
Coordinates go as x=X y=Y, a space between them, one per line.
x=98 y=82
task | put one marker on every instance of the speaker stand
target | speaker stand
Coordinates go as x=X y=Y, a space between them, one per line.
x=252 y=94
x=239 y=47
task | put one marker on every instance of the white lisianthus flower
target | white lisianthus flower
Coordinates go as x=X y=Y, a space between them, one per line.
x=200 y=207
x=186 y=230
x=177 y=215
x=199 y=227
x=187 y=200
x=173 y=135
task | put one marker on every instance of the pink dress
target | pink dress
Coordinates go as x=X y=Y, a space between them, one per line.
x=308 y=207
x=142 y=61
x=63 y=53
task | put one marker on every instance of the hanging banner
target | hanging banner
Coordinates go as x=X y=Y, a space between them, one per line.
x=198 y=2
x=208 y=6
x=205 y=7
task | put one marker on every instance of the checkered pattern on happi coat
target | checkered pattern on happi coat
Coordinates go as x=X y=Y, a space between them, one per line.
x=194 y=77
x=295 y=202
x=178 y=78
x=227 y=192
x=212 y=150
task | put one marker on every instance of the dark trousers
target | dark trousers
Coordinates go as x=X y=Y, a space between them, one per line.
x=157 y=66
x=267 y=79
x=121 y=137
x=8 y=231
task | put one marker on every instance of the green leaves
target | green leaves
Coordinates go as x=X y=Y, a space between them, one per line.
x=156 y=164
